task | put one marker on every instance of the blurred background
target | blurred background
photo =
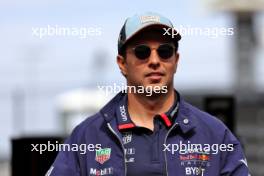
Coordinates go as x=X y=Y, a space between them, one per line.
x=48 y=84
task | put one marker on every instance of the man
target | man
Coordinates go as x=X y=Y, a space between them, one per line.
x=150 y=130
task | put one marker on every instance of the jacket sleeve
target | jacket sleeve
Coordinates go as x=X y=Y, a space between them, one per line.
x=66 y=162
x=233 y=162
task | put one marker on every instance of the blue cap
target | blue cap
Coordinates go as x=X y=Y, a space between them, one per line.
x=135 y=24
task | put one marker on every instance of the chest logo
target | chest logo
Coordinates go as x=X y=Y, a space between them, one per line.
x=102 y=155
x=127 y=137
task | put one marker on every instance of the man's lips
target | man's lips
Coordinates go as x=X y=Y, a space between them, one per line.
x=155 y=75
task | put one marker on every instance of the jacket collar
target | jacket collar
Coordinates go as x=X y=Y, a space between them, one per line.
x=185 y=118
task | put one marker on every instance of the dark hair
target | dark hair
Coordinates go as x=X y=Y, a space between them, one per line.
x=123 y=51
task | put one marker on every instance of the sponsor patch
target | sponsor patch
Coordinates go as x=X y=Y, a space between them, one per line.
x=201 y=157
x=102 y=155
x=104 y=171
x=149 y=18
x=194 y=171
x=195 y=163
x=127 y=137
x=123 y=113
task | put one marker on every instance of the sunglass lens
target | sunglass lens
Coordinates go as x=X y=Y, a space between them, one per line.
x=142 y=52
x=165 y=51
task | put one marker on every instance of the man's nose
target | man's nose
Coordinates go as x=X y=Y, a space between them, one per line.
x=154 y=59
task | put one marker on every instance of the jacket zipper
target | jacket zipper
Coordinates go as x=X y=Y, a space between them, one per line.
x=123 y=148
x=166 y=164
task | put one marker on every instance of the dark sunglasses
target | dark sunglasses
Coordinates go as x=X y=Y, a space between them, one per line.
x=143 y=51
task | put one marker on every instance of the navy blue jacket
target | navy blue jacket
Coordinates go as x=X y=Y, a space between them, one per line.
x=191 y=126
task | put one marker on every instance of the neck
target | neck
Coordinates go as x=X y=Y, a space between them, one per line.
x=142 y=108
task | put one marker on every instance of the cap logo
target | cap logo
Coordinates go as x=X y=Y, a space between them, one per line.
x=149 y=18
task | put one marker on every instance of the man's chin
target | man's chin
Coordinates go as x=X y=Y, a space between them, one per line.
x=155 y=85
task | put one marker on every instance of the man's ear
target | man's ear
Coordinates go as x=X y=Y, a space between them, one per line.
x=121 y=61
x=177 y=57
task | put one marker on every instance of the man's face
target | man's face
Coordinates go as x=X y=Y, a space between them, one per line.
x=152 y=71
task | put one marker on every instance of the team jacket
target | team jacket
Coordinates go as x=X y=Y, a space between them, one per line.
x=213 y=150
